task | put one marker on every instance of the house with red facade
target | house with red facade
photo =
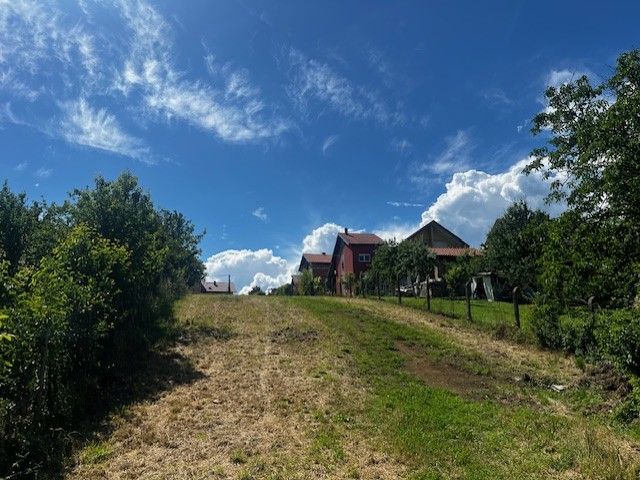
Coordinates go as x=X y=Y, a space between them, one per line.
x=352 y=254
x=318 y=263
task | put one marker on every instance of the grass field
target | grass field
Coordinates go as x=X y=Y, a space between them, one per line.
x=484 y=314
x=306 y=388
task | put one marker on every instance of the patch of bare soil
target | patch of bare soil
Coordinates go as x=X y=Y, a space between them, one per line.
x=250 y=412
x=440 y=374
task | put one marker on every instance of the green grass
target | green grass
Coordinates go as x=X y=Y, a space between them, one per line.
x=443 y=435
x=96 y=452
x=485 y=315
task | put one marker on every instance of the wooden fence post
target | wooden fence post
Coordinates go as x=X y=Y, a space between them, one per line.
x=516 y=307
x=398 y=287
x=467 y=293
x=428 y=294
x=378 y=283
x=592 y=312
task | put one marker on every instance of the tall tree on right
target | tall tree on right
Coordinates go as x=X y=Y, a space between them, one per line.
x=514 y=244
x=593 y=154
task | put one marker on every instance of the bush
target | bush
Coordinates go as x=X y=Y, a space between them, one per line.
x=87 y=287
x=577 y=332
x=618 y=338
x=545 y=321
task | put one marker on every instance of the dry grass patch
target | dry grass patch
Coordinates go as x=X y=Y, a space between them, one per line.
x=261 y=409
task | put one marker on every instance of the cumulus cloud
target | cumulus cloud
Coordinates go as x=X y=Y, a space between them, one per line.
x=474 y=199
x=249 y=268
x=96 y=128
x=396 y=231
x=321 y=239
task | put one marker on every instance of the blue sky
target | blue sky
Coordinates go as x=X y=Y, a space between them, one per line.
x=274 y=124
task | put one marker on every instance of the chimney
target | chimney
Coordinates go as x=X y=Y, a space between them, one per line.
x=346 y=231
x=229 y=284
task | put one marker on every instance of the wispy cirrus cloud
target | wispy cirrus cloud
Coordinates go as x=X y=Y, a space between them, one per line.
x=96 y=128
x=497 y=97
x=401 y=145
x=56 y=53
x=454 y=157
x=404 y=204
x=313 y=80
x=260 y=214
x=43 y=172
x=456 y=154
x=329 y=142
x=234 y=113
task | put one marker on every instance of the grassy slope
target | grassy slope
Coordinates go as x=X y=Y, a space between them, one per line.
x=500 y=430
x=336 y=388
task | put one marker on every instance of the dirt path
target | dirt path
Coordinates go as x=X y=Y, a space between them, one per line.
x=255 y=412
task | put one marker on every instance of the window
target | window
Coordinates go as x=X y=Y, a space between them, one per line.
x=364 y=257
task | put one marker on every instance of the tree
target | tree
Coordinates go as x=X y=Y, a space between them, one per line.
x=17 y=224
x=307 y=283
x=514 y=244
x=348 y=282
x=594 y=158
x=256 y=290
x=406 y=259
x=415 y=260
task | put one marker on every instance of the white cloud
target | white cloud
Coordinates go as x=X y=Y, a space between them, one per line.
x=401 y=145
x=321 y=239
x=83 y=125
x=474 y=199
x=43 y=172
x=404 y=204
x=557 y=78
x=235 y=113
x=21 y=166
x=456 y=154
x=318 y=81
x=32 y=36
x=396 y=231
x=497 y=96
x=249 y=268
x=328 y=143
x=259 y=213
x=262 y=267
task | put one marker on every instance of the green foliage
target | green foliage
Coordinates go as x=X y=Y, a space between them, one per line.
x=514 y=245
x=546 y=324
x=84 y=287
x=310 y=285
x=256 y=290
x=349 y=281
x=406 y=259
x=593 y=156
x=458 y=274
x=618 y=338
x=286 y=289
